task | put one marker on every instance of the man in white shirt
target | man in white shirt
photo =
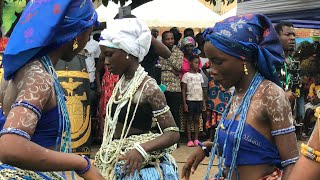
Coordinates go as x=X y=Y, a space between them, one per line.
x=92 y=52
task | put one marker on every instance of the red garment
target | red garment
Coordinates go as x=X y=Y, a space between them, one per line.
x=108 y=83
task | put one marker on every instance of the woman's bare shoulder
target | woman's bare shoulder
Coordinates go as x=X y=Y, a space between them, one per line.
x=269 y=88
x=276 y=104
x=32 y=72
x=152 y=94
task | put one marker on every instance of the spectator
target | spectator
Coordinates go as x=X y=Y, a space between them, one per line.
x=193 y=99
x=170 y=71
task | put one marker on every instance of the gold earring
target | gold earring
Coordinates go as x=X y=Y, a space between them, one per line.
x=75 y=44
x=245 y=69
x=127 y=57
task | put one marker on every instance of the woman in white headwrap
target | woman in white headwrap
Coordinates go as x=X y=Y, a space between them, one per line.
x=129 y=149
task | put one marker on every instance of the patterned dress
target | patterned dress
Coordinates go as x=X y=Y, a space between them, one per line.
x=108 y=83
x=217 y=100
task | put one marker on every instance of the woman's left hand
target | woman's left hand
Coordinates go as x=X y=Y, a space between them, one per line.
x=133 y=161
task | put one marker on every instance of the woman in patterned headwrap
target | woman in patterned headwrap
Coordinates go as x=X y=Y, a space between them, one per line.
x=35 y=136
x=255 y=136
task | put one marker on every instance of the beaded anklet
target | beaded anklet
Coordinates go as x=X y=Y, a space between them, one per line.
x=87 y=168
x=28 y=105
x=15 y=131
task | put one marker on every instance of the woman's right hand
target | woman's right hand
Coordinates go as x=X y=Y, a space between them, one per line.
x=192 y=163
x=92 y=174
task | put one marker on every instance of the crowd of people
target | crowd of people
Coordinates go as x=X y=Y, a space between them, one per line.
x=240 y=85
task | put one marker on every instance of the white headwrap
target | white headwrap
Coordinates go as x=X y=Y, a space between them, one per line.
x=129 y=34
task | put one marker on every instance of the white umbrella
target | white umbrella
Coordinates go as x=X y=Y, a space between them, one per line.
x=176 y=13
x=107 y=13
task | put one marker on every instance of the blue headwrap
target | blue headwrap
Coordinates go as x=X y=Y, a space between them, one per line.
x=252 y=38
x=44 y=26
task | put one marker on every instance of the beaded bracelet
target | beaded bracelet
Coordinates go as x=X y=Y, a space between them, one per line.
x=141 y=150
x=87 y=168
x=204 y=148
x=289 y=161
x=310 y=153
x=310 y=149
x=28 y=105
x=176 y=129
x=15 y=131
x=283 y=131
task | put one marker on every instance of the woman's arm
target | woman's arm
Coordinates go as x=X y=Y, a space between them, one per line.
x=306 y=168
x=160 y=49
x=156 y=99
x=34 y=86
x=279 y=113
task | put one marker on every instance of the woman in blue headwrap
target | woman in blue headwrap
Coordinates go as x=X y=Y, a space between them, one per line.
x=35 y=126
x=256 y=136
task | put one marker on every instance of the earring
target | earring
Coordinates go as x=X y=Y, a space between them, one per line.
x=75 y=44
x=245 y=69
x=127 y=57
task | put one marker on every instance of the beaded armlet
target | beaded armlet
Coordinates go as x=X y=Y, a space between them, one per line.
x=289 y=161
x=310 y=153
x=283 y=131
x=176 y=129
x=28 y=105
x=15 y=131
x=161 y=111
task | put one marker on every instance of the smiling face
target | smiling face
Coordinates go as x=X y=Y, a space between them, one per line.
x=226 y=70
x=115 y=60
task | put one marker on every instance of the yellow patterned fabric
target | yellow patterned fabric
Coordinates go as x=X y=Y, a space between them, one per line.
x=183 y=121
x=170 y=70
x=10 y=172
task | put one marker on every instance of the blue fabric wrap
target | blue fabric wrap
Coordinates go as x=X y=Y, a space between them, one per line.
x=168 y=169
x=44 y=26
x=249 y=38
x=254 y=148
x=46 y=132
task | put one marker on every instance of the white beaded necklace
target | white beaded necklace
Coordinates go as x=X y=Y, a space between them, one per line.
x=122 y=91
x=111 y=121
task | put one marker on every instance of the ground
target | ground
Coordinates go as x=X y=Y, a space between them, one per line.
x=181 y=154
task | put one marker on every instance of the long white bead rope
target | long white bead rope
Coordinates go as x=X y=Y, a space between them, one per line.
x=111 y=122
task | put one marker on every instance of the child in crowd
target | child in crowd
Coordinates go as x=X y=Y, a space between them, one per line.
x=192 y=96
